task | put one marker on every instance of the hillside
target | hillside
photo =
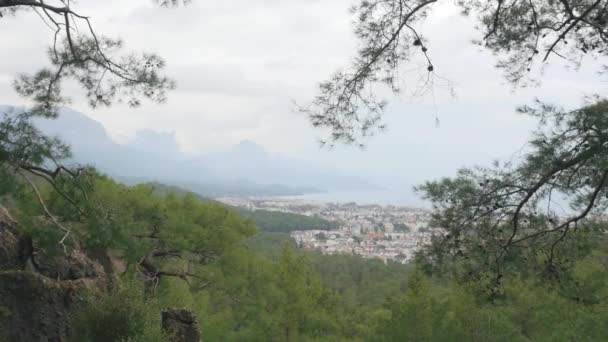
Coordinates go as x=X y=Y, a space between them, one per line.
x=264 y=220
x=176 y=249
x=279 y=222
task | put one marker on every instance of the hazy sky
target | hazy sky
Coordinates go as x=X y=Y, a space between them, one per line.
x=240 y=64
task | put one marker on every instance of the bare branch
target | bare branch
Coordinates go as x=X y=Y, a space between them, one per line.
x=51 y=217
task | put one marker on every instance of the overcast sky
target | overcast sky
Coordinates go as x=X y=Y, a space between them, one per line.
x=240 y=64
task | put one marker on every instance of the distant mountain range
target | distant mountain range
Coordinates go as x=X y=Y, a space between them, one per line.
x=246 y=169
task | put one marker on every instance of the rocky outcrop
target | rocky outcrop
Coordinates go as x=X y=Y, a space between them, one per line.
x=73 y=266
x=180 y=325
x=38 y=290
x=34 y=307
x=13 y=250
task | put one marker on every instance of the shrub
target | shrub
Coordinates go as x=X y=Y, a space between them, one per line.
x=121 y=315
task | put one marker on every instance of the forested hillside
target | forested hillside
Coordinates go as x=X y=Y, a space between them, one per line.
x=182 y=252
x=279 y=222
x=265 y=220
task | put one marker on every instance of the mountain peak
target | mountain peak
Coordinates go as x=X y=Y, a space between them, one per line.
x=249 y=148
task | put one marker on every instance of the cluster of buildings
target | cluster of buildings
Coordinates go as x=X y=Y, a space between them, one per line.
x=371 y=231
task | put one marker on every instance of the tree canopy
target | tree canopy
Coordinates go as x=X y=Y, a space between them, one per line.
x=538 y=211
x=525 y=35
x=97 y=64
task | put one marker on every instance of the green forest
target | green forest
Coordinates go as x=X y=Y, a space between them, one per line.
x=279 y=222
x=244 y=284
x=265 y=220
x=522 y=254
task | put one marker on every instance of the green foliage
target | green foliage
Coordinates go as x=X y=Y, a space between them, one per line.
x=258 y=288
x=356 y=280
x=164 y=190
x=504 y=220
x=402 y=227
x=23 y=146
x=136 y=220
x=279 y=222
x=360 y=281
x=355 y=288
x=523 y=35
x=90 y=60
x=121 y=315
x=268 y=244
x=449 y=312
x=302 y=293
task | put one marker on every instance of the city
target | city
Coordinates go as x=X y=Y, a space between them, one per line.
x=371 y=231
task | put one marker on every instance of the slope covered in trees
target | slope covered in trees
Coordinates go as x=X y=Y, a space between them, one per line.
x=265 y=220
x=279 y=222
x=187 y=253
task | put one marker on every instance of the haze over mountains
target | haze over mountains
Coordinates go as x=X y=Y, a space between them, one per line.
x=245 y=169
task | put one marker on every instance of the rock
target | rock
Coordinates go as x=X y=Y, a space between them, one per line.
x=14 y=250
x=10 y=246
x=18 y=253
x=38 y=290
x=35 y=308
x=180 y=325
x=6 y=217
x=75 y=265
